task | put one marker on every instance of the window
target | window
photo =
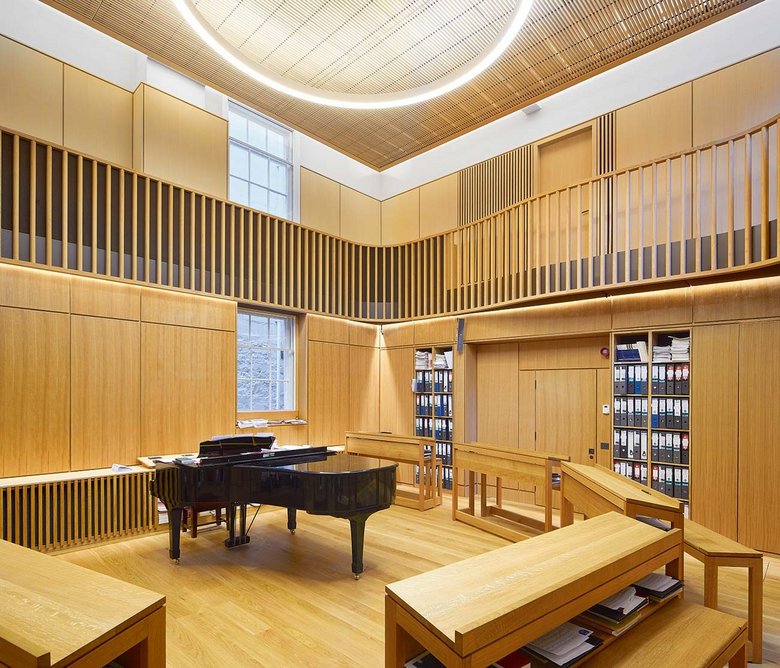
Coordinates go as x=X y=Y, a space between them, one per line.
x=260 y=162
x=266 y=362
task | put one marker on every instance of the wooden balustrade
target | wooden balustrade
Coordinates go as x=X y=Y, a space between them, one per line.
x=710 y=209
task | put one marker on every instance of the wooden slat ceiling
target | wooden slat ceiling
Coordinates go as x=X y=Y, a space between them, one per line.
x=373 y=46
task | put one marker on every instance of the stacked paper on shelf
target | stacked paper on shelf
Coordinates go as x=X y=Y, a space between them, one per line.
x=657 y=586
x=440 y=361
x=427 y=660
x=619 y=606
x=680 y=348
x=422 y=359
x=564 y=645
x=662 y=353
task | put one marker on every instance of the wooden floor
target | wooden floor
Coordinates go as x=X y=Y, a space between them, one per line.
x=290 y=600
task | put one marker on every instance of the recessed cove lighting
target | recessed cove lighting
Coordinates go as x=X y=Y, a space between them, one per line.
x=441 y=86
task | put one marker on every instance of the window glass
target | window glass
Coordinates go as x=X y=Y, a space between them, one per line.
x=260 y=160
x=266 y=361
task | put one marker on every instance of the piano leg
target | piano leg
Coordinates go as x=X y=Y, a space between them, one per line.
x=174 y=532
x=242 y=539
x=292 y=521
x=357 y=527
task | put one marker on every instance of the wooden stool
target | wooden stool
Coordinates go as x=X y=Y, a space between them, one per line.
x=715 y=550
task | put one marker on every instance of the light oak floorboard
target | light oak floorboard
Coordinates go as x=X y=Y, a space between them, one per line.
x=288 y=600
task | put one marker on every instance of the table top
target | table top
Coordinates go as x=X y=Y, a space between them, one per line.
x=712 y=543
x=63 y=608
x=473 y=602
x=611 y=483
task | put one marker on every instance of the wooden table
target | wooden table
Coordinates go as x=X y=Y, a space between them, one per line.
x=528 y=466
x=478 y=610
x=406 y=450
x=53 y=613
x=593 y=490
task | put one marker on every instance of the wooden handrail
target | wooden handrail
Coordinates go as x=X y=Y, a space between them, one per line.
x=693 y=214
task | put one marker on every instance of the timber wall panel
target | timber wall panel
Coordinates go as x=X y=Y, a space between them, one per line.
x=362 y=334
x=396 y=402
x=320 y=202
x=174 y=308
x=439 y=206
x=98 y=117
x=105 y=299
x=737 y=300
x=34 y=402
x=654 y=127
x=579 y=353
x=736 y=98
x=363 y=389
x=328 y=392
x=441 y=331
x=33 y=289
x=332 y=330
x=360 y=217
x=662 y=308
x=188 y=386
x=759 y=435
x=105 y=392
x=401 y=218
x=183 y=144
x=31 y=82
x=714 y=427
x=498 y=394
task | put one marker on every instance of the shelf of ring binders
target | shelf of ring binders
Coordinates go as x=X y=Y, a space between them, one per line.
x=651 y=405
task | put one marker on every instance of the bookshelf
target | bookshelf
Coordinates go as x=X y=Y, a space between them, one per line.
x=433 y=403
x=651 y=410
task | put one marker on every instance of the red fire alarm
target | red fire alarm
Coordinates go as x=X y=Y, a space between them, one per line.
x=605 y=352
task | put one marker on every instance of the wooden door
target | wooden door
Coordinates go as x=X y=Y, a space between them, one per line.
x=565 y=415
x=759 y=435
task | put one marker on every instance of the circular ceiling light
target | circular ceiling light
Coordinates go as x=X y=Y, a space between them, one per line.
x=445 y=84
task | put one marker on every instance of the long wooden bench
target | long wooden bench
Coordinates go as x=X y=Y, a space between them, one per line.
x=679 y=634
x=406 y=450
x=715 y=550
x=473 y=612
x=528 y=466
x=593 y=490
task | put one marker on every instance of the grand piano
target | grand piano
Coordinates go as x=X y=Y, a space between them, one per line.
x=234 y=471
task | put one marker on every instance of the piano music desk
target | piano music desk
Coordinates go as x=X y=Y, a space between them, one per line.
x=53 y=613
x=529 y=466
x=406 y=450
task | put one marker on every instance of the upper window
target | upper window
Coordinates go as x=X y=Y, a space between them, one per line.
x=260 y=162
x=266 y=361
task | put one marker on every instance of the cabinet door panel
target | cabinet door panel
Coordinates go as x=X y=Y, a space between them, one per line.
x=759 y=435
x=714 y=425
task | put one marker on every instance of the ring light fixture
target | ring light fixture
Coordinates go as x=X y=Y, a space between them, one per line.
x=443 y=85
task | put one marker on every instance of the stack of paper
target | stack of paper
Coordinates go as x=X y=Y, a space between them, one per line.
x=680 y=348
x=619 y=606
x=440 y=361
x=657 y=586
x=422 y=359
x=662 y=353
x=565 y=644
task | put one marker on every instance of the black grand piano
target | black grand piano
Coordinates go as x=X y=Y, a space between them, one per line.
x=233 y=471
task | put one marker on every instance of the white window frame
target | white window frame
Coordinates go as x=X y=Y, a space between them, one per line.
x=287 y=161
x=290 y=361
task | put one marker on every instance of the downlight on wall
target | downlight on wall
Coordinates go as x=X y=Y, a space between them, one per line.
x=441 y=86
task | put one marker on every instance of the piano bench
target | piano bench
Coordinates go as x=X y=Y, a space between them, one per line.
x=191 y=513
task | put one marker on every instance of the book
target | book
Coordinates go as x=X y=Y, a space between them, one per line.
x=657 y=586
x=564 y=645
x=620 y=605
x=516 y=659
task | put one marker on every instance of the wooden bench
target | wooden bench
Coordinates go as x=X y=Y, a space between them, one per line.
x=528 y=466
x=406 y=450
x=679 y=634
x=715 y=550
x=593 y=490
x=476 y=611
x=53 y=613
